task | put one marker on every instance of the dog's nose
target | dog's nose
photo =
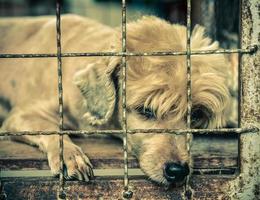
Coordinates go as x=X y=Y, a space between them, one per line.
x=174 y=172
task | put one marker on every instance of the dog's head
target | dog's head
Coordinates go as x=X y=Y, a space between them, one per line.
x=156 y=93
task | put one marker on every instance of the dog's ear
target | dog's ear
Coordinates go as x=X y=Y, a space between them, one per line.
x=98 y=89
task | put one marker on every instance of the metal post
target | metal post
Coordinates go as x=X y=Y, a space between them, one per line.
x=247 y=184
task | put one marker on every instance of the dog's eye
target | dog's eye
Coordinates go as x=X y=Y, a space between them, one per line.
x=200 y=117
x=146 y=112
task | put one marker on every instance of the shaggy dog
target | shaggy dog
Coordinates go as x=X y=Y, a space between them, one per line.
x=156 y=89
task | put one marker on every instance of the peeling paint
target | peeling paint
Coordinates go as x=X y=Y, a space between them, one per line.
x=246 y=185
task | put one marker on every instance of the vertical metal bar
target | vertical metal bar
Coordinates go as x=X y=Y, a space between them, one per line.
x=188 y=193
x=188 y=63
x=240 y=95
x=250 y=79
x=60 y=90
x=127 y=194
x=246 y=185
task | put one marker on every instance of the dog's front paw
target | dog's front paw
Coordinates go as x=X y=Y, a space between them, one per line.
x=76 y=163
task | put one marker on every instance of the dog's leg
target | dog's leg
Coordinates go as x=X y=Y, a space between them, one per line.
x=77 y=164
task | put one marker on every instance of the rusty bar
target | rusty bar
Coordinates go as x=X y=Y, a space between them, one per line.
x=197 y=131
x=187 y=189
x=188 y=65
x=223 y=131
x=250 y=71
x=246 y=185
x=247 y=50
x=61 y=194
x=127 y=194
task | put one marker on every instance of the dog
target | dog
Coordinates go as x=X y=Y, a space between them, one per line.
x=156 y=89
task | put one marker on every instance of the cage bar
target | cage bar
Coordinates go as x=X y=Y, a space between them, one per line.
x=247 y=50
x=187 y=189
x=188 y=64
x=220 y=131
x=61 y=194
x=127 y=194
x=246 y=185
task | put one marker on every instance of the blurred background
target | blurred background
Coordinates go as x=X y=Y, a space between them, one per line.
x=220 y=17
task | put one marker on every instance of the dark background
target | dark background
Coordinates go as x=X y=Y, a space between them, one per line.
x=220 y=17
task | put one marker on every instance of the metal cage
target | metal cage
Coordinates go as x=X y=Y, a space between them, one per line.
x=249 y=137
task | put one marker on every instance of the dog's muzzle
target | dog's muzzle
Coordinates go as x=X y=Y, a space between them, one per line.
x=174 y=172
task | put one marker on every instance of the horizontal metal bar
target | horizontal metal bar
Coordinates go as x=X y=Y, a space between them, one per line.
x=69 y=132
x=115 y=172
x=250 y=49
x=133 y=131
x=197 y=131
x=47 y=173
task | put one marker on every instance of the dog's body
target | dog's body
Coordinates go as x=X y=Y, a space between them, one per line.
x=156 y=88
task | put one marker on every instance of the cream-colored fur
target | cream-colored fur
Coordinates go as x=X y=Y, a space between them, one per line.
x=92 y=90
